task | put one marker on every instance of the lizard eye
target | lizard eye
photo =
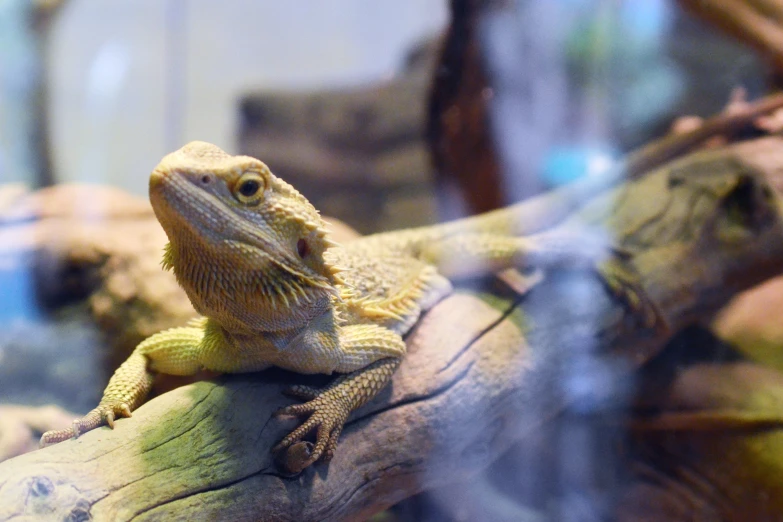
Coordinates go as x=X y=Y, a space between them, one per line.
x=249 y=189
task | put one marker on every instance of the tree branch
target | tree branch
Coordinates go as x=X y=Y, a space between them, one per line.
x=483 y=370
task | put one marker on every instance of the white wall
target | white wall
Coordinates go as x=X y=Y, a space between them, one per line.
x=132 y=80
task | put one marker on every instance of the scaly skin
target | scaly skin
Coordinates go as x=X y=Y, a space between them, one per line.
x=255 y=259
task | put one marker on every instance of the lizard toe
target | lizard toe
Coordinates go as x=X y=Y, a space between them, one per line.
x=296 y=409
x=297 y=434
x=123 y=410
x=306 y=393
x=330 y=409
x=55 y=436
x=328 y=416
x=321 y=442
x=302 y=454
x=94 y=419
x=331 y=446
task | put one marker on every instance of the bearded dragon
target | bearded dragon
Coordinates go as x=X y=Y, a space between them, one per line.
x=255 y=259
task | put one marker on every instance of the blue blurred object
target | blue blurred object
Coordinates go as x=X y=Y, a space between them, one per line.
x=646 y=21
x=17 y=290
x=566 y=164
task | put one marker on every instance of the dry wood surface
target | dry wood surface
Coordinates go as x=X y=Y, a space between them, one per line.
x=481 y=373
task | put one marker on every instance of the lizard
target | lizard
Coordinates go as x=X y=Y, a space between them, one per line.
x=256 y=260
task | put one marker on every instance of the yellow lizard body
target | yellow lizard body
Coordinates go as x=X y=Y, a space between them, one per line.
x=256 y=261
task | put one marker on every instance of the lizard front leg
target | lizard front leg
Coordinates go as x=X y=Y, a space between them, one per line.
x=173 y=351
x=371 y=353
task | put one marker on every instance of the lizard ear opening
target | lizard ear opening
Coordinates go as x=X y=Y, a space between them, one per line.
x=302 y=248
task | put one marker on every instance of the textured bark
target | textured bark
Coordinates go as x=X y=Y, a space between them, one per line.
x=484 y=370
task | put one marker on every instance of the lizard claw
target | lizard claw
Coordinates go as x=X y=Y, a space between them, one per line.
x=329 y=411
x=109 y=417
x=103 y=414
x=296 y=458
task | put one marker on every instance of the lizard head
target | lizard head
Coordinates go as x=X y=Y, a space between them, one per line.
x=245 y=245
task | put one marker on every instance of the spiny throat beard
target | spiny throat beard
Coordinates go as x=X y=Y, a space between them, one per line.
x=265 y=297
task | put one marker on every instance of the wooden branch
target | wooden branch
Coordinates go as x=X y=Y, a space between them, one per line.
x=547 y=210
x=483 y=370
x=758 y=23
x=674 y=145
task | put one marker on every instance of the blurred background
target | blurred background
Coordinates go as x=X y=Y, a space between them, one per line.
x=131 y=81
x=385 y=114
x=96 y=92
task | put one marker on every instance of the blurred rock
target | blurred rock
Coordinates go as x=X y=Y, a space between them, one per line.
x=101 y=245
x=22 y=426
x=351 y=151
x=80 y=269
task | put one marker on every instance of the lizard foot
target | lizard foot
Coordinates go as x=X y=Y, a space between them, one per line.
x=328 y=411
x=103 y=414
x=623 y=282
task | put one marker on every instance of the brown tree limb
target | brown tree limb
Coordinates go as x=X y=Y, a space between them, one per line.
x=674 y=145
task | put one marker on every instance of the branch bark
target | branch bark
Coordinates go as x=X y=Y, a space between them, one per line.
x=758 y=23
x=485 y=368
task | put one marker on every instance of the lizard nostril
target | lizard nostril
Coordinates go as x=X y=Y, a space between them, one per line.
x=206 y=179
